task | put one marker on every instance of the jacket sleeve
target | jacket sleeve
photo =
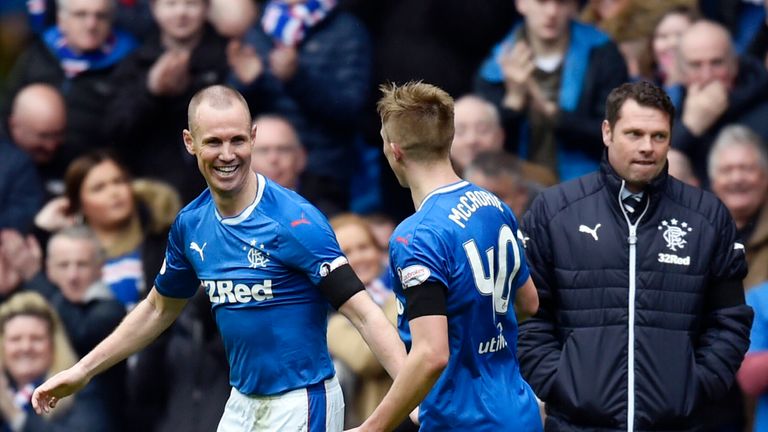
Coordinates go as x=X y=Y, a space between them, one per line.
x=725 y=334
x=335 y=90
x=580 y=129
x=538 y=346
x=133 y=106
x=22 y=195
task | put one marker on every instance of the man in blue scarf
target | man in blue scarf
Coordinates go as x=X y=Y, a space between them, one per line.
x=77 y=56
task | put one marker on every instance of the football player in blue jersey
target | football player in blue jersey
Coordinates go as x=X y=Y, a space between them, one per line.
x=458 y=267
x=270 y=265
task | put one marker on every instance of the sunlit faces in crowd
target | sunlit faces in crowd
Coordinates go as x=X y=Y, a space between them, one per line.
x=359 y=245
x=27 y=347
x=180 y=20
x=86 y=24
x=547 y=20
x=477 y=129
x=277 y=151
x=666 y=39
x=106 y=197
x=738 y=170
x=74 y=264
x=37 y=121
x=707 y=55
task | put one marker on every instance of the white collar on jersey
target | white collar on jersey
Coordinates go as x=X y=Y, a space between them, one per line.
x=444 y=189
x=234 y=220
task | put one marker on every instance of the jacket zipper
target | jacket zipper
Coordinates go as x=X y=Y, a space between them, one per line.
x=632 y=239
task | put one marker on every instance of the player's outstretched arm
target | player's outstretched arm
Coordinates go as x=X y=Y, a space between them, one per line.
x=140 y=327
x=527 y=298
x=377 y=331
x=428 y=357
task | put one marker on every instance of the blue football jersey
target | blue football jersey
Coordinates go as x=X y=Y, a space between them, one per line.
x=465 y=238
x=260 y=270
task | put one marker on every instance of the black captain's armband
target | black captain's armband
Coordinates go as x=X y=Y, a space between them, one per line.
x=340 y=285
x=425 y=299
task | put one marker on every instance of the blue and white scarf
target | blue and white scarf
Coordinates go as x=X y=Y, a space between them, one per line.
x=117 y=46
x=288 y=24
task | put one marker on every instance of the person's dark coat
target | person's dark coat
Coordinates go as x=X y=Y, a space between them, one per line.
x=676 y=312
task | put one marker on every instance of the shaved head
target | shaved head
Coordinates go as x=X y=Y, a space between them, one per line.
x=38 y=121
x=706 y=54
x=218 y=97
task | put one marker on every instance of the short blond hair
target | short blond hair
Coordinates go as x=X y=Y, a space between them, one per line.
x=418 y=117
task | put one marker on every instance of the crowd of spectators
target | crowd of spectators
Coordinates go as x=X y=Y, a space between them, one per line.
x=93 y=169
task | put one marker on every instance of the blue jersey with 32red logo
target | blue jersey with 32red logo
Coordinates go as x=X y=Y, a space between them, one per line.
x=260 y=270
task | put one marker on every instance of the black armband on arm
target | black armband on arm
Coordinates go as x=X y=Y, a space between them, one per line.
x=340 y=285
x=425 y=299
x=726 y=293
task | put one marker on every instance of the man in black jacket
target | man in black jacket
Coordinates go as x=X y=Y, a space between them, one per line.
x=642 y=318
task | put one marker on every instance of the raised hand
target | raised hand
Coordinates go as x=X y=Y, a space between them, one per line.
x=517 y=66
x=53 y=216
x=170 y=74
x=283 y=62
x=23 y=254
x=704 y=104
x=244 y=61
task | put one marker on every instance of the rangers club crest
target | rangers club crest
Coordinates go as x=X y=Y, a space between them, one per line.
x=674 y=233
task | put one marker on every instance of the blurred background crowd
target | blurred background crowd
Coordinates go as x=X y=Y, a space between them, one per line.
x=93 y=99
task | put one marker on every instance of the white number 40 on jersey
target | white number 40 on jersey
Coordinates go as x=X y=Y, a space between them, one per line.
x=499 y=284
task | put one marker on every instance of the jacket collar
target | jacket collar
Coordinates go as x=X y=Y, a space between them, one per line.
x=655 y=189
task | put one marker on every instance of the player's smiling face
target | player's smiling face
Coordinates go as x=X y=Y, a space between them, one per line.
x=222 y=141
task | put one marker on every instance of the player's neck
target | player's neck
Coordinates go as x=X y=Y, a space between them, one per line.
x=233 y=204
x=426 y=178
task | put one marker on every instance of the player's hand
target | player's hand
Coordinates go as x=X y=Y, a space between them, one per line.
x=283 y=62
x=245 y=63
x=170 y=74
x=53 y=216
x=704 y=104
x=63 y=384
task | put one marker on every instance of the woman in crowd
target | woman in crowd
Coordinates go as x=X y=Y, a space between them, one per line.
x=35 y=347
x=369 y=381
x=130 y=218
x=666 y=38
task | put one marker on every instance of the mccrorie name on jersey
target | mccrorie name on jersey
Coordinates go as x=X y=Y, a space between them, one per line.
x=227 y=291
x=469 y=203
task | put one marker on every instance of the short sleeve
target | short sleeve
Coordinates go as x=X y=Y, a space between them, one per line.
x=177 y=278
x=310 y=246
x=417 y=258
x=757 y=298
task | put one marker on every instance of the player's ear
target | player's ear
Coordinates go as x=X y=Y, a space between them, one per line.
x=189 y=143
x=253 y=132
x=607 y=133
x=397 y=151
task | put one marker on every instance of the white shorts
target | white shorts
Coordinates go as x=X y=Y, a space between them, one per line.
x=317 y=408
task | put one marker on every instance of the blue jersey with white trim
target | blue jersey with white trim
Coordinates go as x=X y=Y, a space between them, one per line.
x=260 y=270
x=466 y=239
